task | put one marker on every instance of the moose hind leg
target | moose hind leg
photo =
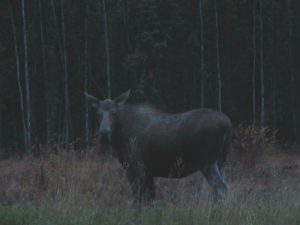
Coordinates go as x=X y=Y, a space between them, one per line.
x=221 y=171
x=216 y=181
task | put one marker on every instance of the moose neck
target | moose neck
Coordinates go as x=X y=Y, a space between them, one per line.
x=134 y=118
x=132 y=122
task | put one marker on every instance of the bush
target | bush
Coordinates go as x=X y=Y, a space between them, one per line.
x=251 y=141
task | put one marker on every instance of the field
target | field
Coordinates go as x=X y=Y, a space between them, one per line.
x=88 y=189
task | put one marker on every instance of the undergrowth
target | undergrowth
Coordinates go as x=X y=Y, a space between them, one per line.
x=72 y=188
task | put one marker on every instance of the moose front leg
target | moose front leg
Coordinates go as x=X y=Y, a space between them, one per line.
x=142 y=186
x=143 y=190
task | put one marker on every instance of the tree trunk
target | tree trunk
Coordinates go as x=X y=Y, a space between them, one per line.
x=61 y=112
x=44 y=69
x=86 y=77
x=292 y=75
x=26 y=71
x=67 y=118
x=201 y=53
x=60 y=49
x=262 y=75
x=19 y=78
x=218 y=59
x=125 y=18
x=254 y=64
x=274 y=101
x=107 y=49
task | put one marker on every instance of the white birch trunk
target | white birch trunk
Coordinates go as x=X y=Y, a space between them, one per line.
x=57 y=30
x=262 y=75
x=19 y=78
x=86 y=78
x=254 y=64
x=26 y=71
x=66 y=80
x=107 y=49
x=201 y=53
x=218 y=59
x=292 y=75
x=274 y=101
x=43 y=48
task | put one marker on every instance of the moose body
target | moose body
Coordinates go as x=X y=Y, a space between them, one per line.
x=150 y=143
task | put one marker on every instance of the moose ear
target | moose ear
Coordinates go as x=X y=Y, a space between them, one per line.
x=120 y=100
x=93 y=100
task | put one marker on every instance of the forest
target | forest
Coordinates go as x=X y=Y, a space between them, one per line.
x=238 y=56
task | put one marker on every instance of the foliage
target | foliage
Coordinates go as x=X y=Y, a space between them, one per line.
x=251 y=137
x=252 y=141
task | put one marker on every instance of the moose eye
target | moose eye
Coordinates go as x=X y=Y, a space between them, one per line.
x=113 y=111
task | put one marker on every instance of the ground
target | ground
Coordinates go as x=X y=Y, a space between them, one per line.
x=75 y=180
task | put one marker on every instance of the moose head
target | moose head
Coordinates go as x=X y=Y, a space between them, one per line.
x=107 y=114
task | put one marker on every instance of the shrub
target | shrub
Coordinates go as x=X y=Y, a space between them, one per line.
x=251 y=141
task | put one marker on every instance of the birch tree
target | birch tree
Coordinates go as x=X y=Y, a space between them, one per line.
x=26 y=73
x=58 y=39
x=201 y=52
x=254 y=63
x=274 y=101
x=291 y=69
x=18 y=73
x=218 y=58
x=107 y=49
x=57 y=30
x=262 y=75
x=44 y=68
x=67 y=119
x=86 y=76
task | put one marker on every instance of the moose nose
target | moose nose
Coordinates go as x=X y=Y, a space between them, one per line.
x=105 y=135
x=105 y=131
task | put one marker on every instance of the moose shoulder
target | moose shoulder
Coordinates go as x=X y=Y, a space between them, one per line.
x=150 y=143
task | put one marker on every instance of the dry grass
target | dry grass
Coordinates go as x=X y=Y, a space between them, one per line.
x=67 y=178
x=92 y=189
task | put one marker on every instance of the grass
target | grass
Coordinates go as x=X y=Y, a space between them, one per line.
x=261 y=214
x=85 y=189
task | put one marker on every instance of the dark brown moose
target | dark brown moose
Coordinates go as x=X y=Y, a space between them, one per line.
x=150 y=143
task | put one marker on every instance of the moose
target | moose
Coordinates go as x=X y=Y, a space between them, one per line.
x=149 y=143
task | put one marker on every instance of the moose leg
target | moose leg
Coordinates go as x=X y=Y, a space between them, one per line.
x=143 y=189
x=222 y=172
x=142 y=185
x=215 y=180
x=148 y=191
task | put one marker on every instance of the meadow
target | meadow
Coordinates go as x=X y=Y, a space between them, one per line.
x=86 y=188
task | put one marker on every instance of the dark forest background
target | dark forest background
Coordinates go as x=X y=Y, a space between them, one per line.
x=238 y=56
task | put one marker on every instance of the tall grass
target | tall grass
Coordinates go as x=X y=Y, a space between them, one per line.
x=87 y=189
